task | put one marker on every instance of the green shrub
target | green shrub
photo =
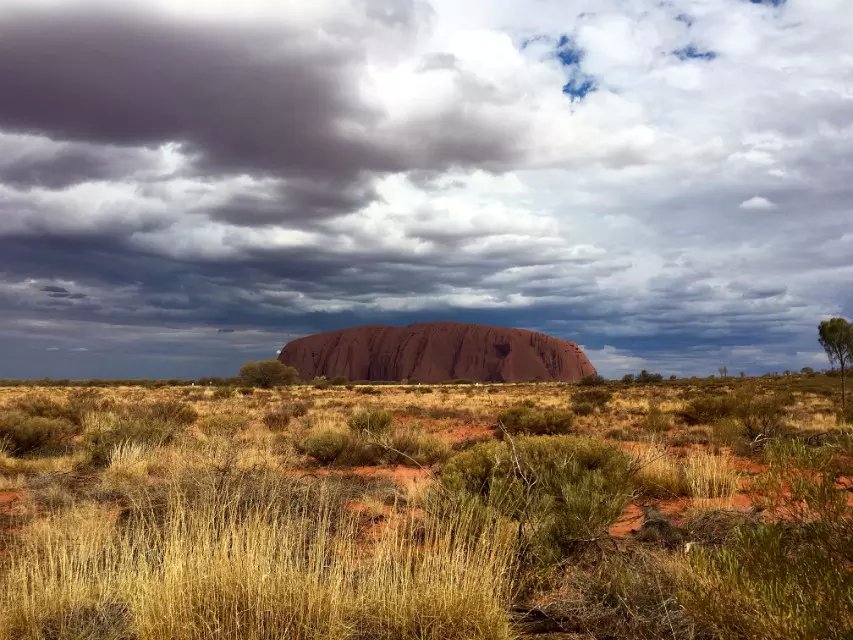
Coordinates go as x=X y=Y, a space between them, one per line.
x=278 y=418
x=374 y=422
x=773 y=581
x=362 y=452
x=583 y=408
x=708 y=409
x=621 y=596
x=299 y=409
x=418 y=447
x=154 y=423
x=223 y=393
x=320 y=382
x=656 y=420
x=592 y=380
x=42 y=406
x=758 y=415
x=368 y=391
x=325 y=445
x=762 y=415
x=788 y=577
x=561 y=490
x=523 y=419
x=223 y=424
x=22 y=434
x=166 y=412
x=598 y=396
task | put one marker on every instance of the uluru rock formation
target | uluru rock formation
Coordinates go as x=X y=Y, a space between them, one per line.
x=435 y=352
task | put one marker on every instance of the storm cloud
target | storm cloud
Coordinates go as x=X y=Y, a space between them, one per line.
x=187 y=185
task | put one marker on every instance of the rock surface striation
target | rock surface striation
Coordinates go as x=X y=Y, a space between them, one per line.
x=435 y=352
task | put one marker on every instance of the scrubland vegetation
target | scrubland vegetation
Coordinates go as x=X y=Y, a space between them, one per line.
x=715 y=509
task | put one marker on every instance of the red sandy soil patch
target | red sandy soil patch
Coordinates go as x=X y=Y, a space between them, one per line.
x=402 y=476
x=629 y=521
x=8 y=499
x=462 y=432
x=674 y=509
x=745 y=465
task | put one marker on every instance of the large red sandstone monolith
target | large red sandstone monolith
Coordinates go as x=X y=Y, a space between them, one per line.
x=435 y=352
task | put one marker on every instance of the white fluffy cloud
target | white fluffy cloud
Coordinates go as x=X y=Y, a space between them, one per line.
x=758 y=203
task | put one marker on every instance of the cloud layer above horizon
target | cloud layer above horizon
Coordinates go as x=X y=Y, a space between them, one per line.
x=186 y=185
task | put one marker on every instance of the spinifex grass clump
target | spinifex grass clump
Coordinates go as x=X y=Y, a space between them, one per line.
x=595 y=397
x=525 y=419
x=38 y=424
x=788 y=576
x=407 y=445
x=374 y=422
x=153 y=423
x=192 y=566
x=22 y=434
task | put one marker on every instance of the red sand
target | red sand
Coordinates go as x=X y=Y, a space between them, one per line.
x=8 y=498
x=437 y=351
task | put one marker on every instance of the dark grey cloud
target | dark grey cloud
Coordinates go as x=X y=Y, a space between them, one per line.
x=243 y=97
x=301 y=200
x=69 y=165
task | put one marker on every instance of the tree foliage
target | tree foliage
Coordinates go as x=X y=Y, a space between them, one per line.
x=836 y=338
x=267 y=374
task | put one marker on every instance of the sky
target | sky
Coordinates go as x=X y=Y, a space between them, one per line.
x=186 y=184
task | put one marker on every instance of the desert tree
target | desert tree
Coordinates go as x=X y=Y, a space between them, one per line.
x=836 y=338
x=267 y=374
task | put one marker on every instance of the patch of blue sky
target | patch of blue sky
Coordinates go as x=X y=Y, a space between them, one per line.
x=692 y=52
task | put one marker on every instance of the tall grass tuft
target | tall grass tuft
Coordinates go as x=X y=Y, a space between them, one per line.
x=711 y=476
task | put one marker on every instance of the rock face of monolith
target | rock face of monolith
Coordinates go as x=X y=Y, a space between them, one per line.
x=437 y=351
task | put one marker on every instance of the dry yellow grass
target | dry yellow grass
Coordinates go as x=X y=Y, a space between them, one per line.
x=657 y=472
x=212 y=568
x=711 y=476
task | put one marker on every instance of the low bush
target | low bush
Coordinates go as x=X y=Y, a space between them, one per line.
x=22 y=434
x=278 y=418
x=656 y=420
x=325 y=445
x=762 y=416
x=560 y=490
x=223 y=393
x=374 y=422
x=707 y=409
x=779 y=579
x=153 y=423
x=523 y=419
x=623 y=595
x=368 y=391
x=592 y=380
x=223 y=424
x=417 y=447
x=362 y=451
x=598 y=397
x=583 y=408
